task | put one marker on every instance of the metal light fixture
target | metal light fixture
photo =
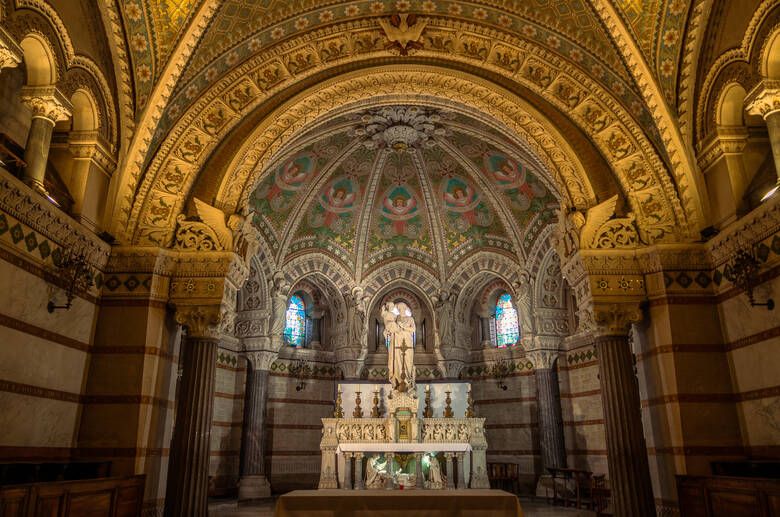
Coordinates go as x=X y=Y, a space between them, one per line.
x=500 y=371
x=303 y=372
x=744 y=268
x=76 y=277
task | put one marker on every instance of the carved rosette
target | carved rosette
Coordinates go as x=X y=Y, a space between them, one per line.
x=764 y=100
x=47 y=102
x=201 y=321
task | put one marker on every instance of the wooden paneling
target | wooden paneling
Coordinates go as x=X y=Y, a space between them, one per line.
x=722 y=496
x=106 y=497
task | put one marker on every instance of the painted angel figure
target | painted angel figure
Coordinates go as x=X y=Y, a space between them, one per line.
x=399 y=329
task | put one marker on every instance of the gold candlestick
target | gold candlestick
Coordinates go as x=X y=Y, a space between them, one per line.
x=375 y=410
x=358 y=413
x=470 y=405
x=338 y=412
x=428 y=411
x=448 y=410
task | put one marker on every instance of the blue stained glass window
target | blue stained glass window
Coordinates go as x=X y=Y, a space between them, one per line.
x=506 y=322
x=295 y=326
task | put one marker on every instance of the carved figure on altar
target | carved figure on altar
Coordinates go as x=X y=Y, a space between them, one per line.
x=399 y=330
x=435 y=477
x=375 y=477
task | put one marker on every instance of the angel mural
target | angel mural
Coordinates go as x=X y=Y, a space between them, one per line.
x=463 y=204
x=293 y=175
x=510 y=176
x=399 y=205
x=338 y=200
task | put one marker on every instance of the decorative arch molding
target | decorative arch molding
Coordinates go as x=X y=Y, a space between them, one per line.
x=490 y=294
x=741 y=65
x=254 y=294
x=406 y=289
x=542 y=245
x=636 y=164
x=411 y=299
x=401 y=271
x=548 y=292
x=485 y=261
x=323 y=265
x=692 y=47
x=74 y=70
x=691 y=186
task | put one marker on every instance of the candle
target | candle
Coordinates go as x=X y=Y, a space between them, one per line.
x=339 y=387
x=469 y=388
x=357 y=388
x=448 y=387
x=376 y=388
x=427 y=388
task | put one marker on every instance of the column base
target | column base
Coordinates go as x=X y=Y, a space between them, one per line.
x=253 y=487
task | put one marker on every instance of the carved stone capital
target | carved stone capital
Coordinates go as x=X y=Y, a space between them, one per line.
x=47 y=102
x=89 y=145
x=201 y=321
x=615 y=318
x=764 y=99
x=10 y=52
x=542 y=359
x=261 y=359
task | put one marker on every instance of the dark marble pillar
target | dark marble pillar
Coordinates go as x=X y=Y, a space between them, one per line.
x=448 y=456
x=188 y=467
x=550 y=420
x=254 y=483
x=48 y=107
x=629 y=471
x=484 y=322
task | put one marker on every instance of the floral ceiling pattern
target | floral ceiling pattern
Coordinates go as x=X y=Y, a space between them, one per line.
x=405 y=182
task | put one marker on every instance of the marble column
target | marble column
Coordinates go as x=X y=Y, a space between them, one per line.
x=347 y=484
x=484 y=322
x=629 y=471
x=420 y=481
x=548 y=399
x=188 y=467
x=389 y=477
x=358 y=471
x=254 y=483
x=461 y=474
x=764 y=100
x=48 y=106
x=450 y=472
x=316 y=322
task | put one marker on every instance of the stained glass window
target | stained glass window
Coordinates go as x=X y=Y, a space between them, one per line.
x=506 y=322
x=295 y=327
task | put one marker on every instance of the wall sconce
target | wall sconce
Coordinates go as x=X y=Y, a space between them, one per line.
x=500 y=371
x=75 y=275
x=303 y=372
x=744 y=268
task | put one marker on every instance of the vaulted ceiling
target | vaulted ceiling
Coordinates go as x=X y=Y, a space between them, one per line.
x=403 y=182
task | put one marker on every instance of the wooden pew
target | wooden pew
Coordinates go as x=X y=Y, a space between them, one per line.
x=105 y=497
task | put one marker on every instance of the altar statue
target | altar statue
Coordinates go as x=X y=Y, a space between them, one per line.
x=435 y=478
x=375 y=478
x=399 y=328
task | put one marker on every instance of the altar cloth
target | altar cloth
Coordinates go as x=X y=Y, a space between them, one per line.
x=398 y=503
x=403 y=447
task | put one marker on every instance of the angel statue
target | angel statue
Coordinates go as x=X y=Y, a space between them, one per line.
x=444 y=317
x=523 y=298
x=399 y=328
x=280 y=290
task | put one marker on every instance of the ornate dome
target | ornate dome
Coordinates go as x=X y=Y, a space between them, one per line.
x=403 y=182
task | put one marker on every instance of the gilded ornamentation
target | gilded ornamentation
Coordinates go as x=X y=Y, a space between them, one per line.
x=615 y=318
x=201 y=320
x=47 y=102
x=403 y=32
x=764 y=100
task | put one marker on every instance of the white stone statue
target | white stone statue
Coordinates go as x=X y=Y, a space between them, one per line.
x=445 y=317
x=280 y=293
x=435 y=477
x=357 y=316
x=374 y=475
x=523 y=302
x=399 y=328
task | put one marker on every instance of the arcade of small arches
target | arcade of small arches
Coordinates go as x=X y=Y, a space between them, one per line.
x=192 y=206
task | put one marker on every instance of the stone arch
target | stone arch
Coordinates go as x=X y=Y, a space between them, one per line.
x=328 y=276
x=549 y=286
x=730 y=109
x=404 y=271
x=500 y=265
x=419 y=302
x=73 y=71
x=770 y=56
x=85 y=114
x=618 y=137
x=254 y=294
x=39 y=60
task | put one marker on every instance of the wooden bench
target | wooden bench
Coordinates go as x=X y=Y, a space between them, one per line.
x=105 y=497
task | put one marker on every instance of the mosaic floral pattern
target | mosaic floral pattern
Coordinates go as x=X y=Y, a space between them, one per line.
x=507 y=331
